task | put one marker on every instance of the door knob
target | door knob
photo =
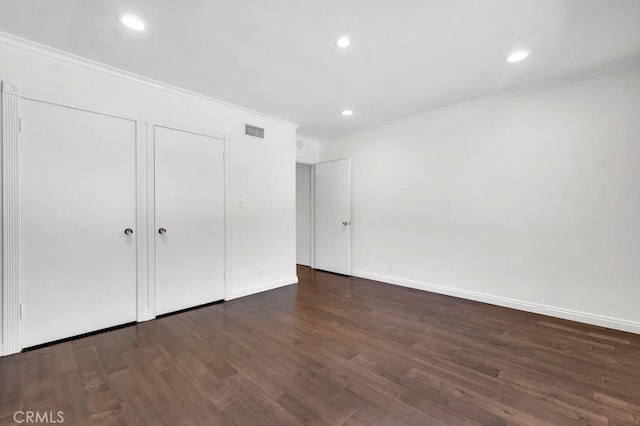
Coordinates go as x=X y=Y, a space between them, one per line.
x=345 y=223
x=128 y=231
x=162 y=231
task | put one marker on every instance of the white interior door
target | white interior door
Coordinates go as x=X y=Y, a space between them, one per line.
x=189 y=218
x=78 y=197
x=333 y=216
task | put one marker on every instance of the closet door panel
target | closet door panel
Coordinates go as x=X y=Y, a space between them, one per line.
x=189 y=218
x=78 y=194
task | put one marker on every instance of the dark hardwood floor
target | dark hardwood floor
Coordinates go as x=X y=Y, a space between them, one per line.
x=335 y=350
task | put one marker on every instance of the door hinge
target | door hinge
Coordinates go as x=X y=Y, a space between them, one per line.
x=224 y=157
x=21 y=311
x=20 y=125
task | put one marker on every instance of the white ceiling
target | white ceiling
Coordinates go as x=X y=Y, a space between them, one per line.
x=279 y=57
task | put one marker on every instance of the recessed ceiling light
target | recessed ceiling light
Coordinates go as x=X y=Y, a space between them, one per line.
x=518 y=55
x=132 y=21
x=343 y=42
x=347 y=112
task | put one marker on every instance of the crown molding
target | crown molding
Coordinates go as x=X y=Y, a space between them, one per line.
x=496 y=97
x=32 y=46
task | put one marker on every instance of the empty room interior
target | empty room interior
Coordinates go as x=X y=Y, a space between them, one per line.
x=284 y=212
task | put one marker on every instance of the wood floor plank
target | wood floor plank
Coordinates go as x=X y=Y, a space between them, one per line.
x=110 y=352
x=264 y=405
x=12 y=384
x=191 y=397
x=71 y=400
x=69 y=389
x=136 y=406
x=39 y=382
x=157 y=390
x=298 y=409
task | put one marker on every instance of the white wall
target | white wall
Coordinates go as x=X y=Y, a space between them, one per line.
x=530 y=201
x=307 y=151
x=303 y=214
x=261 y=173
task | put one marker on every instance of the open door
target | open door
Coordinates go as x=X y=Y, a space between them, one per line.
x=333 y=216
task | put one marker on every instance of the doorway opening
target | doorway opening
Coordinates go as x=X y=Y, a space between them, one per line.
x=304 y=215
x=323 y=216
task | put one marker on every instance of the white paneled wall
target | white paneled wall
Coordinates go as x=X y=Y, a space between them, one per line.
x=531 y=201
x=307 y=150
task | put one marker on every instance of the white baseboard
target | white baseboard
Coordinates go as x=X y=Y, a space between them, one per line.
x=263 y=287
x=552 y=311
x=145 y=318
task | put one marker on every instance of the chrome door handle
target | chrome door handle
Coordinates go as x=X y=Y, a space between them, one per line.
x=345 y=223
x=162 y=231
x=128 y=231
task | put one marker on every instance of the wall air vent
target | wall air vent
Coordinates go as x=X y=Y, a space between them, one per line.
x=255 y=131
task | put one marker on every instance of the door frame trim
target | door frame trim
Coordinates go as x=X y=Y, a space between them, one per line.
x=11 y=218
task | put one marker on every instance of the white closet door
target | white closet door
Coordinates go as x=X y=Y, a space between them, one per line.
x=78 y=197
x=189 y=203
